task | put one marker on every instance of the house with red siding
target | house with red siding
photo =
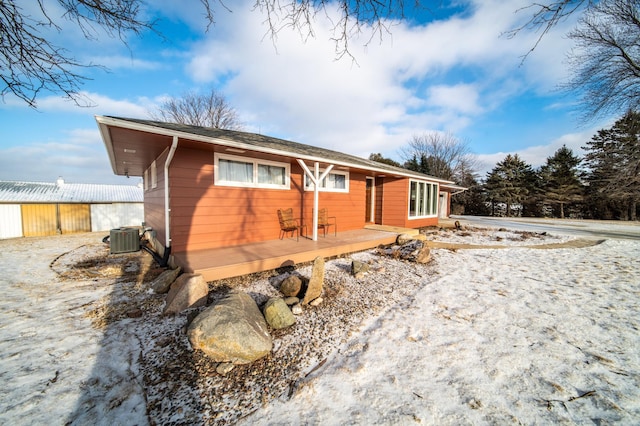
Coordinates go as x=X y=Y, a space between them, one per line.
x=208 y=188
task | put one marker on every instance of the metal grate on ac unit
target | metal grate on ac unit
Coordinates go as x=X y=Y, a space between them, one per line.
x=124 y=240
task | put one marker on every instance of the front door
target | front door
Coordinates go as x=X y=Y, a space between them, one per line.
x=368 y=213
x=443 y=205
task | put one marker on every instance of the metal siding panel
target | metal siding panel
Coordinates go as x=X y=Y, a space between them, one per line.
x=102 y=216
x=130 y=214
x=74 y=218
x=105 y=217
x=10 y=221
x=39 y=220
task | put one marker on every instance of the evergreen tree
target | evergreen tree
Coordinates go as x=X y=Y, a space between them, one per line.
x=380 y=159
x=511 y=181
x=418 y=163
x=561 y=183
x=613 y=159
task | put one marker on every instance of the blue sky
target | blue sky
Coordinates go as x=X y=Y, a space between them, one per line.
x=447 y=71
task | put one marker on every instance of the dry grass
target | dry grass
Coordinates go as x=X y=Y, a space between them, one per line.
x=127 y=274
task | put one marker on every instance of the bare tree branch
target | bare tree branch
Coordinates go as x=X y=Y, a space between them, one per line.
x=444 y=155
x=606 y=61
x=206 y=110
x=31 y=64
x=545 y=16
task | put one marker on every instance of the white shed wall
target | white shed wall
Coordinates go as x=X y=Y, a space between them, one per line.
x=105 y=217
x=10 y=221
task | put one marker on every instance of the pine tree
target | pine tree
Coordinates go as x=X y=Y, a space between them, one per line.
x=613 y=159
x=418 y=163
x=561 y=183
x=511 y=181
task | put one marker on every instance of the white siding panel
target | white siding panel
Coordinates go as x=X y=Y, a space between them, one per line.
x=105 y=217
x=10 y=221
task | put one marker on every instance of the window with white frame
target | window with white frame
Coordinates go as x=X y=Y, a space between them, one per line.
x=233 y=170
x=335 y=181
x=154 y=175
x=423 y=199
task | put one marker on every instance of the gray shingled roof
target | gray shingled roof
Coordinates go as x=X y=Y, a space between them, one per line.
x=61 y=192
x=276 y=144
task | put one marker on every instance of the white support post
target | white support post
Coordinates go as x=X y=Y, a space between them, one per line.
x=315 y=178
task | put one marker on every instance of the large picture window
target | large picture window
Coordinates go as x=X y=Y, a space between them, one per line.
x=231 y=170
x=423 y=199
x=335 y=181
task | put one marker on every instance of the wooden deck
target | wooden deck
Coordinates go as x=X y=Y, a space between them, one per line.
x=234 y=261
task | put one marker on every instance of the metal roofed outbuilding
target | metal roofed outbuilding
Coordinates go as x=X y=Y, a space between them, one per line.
x=48 y=208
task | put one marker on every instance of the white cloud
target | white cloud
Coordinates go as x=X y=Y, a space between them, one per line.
x=124 y=62
x=459 y=98
x=95 y=103
x=447 y=76
x=537 y=155
x=79 y=156
x=442 y=76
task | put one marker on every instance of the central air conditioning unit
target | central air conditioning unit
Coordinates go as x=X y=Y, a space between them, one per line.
x=124 y=240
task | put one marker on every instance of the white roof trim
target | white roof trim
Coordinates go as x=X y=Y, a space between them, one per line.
x=106 y=121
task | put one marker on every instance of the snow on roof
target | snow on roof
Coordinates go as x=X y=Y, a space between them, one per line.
x=62 y=192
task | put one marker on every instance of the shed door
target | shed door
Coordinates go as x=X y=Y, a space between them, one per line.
x=39 y=220
x=74 y=218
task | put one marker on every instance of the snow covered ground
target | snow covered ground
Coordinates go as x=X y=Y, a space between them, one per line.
x=519 y=336
x=485 y=336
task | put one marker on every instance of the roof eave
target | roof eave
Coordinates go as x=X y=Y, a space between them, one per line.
x=108 y=143
x=104 y=122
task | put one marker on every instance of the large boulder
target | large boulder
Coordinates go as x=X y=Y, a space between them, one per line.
x=163 y=282
x=359 y=269
x=413 y=251
x=278 y=314
x=187 y=291
x=233 y=330
x=314 y=288
x=423 y=255
x=405 y=238
x=291 y=286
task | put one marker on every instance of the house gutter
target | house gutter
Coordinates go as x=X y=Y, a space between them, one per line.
x=123 y=123
x=167 y=208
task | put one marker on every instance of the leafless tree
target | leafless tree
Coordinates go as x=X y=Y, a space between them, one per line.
x=439 y=154
x=208 y=110
x=605 y=65
x=31 y=64
x=543 y=16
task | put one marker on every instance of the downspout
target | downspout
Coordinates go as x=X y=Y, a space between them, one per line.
x=167 y=208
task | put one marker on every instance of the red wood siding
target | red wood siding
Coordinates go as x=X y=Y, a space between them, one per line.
x=154 y=209
x=206 y=216
x=348 y=208
x=395 y=205
x=394 y=202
